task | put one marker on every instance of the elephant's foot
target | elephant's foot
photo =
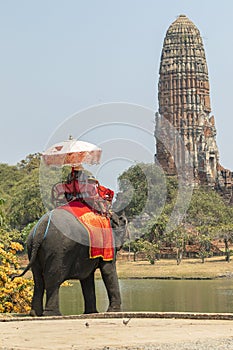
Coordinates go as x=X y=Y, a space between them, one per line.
x=91 y=312
x=52 y=313
x=34 y=313
x=114 y=308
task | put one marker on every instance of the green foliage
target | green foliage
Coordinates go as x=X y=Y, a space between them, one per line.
x=133 y=246
x=133 y=185
x=30 y=163
x=49 y=176
x=213 y=218
x=142 y=190
x=9 y=176
x=176 y=237
x=8 y=236
x=21 y=192
x=150 y=249
x=208 y=216
x=26 y=230
x=207 y=209
x=205 y=244
x=26 y=205
x=2 y=213
x=155 y=227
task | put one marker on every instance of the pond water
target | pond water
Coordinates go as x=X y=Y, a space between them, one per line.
x=156 y=295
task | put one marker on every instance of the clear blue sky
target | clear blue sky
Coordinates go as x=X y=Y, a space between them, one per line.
x=59 y=57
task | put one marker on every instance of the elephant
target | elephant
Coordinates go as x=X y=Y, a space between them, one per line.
x=58 y=250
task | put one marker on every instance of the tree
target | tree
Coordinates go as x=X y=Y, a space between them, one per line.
x=212 y=217
x=204 y=240
x=30 y=163
x=142 y=190
x=26 y=189
x=48 y=177
x=208 y=216
x=2 y=214
x=133 y=246
x=9 y=176
x=206 y=208
x=178 y=239
x=26 y=205
x=21 y=191
x=154 y=231
x=225 y=233
x=151 y=250
x=7 y=235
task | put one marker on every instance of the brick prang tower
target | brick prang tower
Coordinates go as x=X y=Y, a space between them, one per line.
x=184 y=100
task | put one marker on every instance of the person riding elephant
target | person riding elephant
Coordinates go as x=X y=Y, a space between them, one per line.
x=80 y=174
x=89 y=190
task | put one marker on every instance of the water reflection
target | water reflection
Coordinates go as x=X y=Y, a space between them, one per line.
x=157 y=295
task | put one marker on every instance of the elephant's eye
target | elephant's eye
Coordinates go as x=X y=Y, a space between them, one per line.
x=123 y=220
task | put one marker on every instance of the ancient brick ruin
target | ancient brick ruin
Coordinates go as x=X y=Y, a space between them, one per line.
x=184 y=100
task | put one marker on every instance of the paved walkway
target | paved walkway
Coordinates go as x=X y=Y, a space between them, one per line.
x=115 y=333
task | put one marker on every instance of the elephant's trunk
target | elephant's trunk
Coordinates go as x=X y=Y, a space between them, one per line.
x=119 y=225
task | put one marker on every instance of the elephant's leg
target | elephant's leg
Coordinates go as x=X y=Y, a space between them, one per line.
x=52 y=301
x=109 y=275
x=88 y=289
x=37 y=299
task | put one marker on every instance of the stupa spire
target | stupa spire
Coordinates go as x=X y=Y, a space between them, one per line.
x=184 y=100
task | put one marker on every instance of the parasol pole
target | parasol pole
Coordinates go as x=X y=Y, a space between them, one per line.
x=73 y=180
x=72 y=170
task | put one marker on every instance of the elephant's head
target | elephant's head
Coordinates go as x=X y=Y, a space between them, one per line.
x=119 y=226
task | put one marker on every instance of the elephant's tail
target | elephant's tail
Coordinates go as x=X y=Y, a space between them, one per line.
x=37 y=239
x=29 y=265
x=15 y=275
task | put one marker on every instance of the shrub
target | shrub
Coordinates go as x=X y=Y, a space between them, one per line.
x=16 y=295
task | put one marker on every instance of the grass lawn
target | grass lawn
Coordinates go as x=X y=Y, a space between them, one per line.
x=214 y=267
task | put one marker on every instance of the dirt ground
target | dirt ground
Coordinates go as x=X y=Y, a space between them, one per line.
x=113 y=333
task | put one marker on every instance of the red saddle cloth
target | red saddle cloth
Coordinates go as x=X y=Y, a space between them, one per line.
x=98 y=228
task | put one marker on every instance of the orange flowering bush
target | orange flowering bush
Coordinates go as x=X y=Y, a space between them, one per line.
x=16 y=295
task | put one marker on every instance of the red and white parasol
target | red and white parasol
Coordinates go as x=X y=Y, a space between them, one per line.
x=72 y=152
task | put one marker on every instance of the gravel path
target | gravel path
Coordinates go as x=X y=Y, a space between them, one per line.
x=210 y=344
